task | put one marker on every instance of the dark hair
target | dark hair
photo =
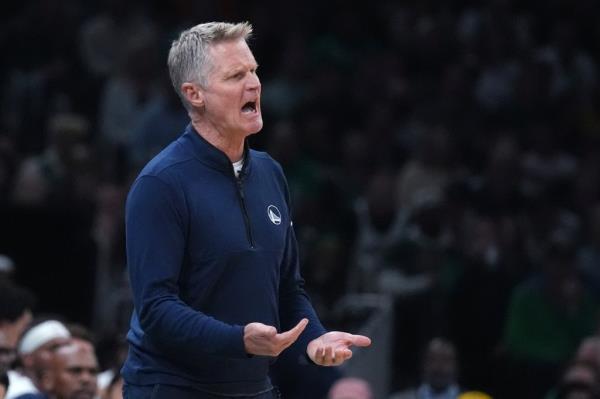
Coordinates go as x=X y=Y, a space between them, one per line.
x=4 y=379
x=81 y=332
x=14 y=300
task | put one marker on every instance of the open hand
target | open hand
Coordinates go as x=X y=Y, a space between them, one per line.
x=333 y=348
x=263 y=340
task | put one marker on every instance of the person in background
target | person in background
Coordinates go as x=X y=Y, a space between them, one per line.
x=36 y=349
x=71 y=373
x=16 y=304
x=439 y=373
x=350 y=388
x=549 y=315
x=579 y=381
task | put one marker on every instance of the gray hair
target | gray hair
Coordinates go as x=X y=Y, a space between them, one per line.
x=189 y=58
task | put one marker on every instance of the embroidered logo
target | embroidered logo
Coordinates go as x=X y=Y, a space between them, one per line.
x=274 y=214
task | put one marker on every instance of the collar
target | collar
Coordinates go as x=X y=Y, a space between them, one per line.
x=211 y=156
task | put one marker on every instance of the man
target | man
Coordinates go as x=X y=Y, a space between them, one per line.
x=211 y=251
x=350 y=388
x=72 y=373
x=36 y=349
x=16 y=304
x=440 y=373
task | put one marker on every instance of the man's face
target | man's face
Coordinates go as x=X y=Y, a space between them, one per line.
x=75 y=371
x=440 y=366
x=232 y=93
x=40 y=358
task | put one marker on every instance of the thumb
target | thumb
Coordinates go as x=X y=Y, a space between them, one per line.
x=295 y=332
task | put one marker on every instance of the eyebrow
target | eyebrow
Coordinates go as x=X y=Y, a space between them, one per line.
x=239 y=68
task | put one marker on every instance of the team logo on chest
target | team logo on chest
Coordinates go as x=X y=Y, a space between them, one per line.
x=274 y=214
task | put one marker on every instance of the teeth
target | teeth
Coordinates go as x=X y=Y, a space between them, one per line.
x=249 y=107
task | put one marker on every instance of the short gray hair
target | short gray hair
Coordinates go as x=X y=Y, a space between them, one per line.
x=189 y=58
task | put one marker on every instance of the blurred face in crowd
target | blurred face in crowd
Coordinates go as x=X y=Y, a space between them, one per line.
x=36 y=362
x=231 y=98
x=580 y=381
x=73 y=372
x=10 y=332
x=8 y=352
x=440 y=365
x=45 y=352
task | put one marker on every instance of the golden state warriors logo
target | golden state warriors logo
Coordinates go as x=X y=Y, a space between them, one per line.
x=274 y=214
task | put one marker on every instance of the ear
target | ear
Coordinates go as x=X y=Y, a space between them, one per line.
x=193 y=93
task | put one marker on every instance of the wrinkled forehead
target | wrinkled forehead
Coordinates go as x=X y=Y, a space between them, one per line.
x=228 y=54
x=77 y=354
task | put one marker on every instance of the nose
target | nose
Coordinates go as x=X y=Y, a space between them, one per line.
x=253 y=82
x=88 y=378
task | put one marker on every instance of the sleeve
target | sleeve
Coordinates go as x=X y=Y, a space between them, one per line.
x=156 y=225
x=294 y=303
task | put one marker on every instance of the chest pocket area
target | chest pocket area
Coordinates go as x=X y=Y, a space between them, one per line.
x=271 y=222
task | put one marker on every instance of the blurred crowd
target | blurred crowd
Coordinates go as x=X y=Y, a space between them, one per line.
x=443 y=153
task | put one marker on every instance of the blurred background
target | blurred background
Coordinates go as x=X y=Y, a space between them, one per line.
x=443 y=159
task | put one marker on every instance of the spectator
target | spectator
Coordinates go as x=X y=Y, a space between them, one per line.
x=72 y=372
x=51 y=176
x=579 y=381
x=439 y=378
x=548 y=316
x=36 y=348
x=350 y=388
x=16 y=304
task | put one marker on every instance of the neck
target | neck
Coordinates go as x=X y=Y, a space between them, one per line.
x=232 y=145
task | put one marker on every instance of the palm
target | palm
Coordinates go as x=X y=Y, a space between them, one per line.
x=333 y=348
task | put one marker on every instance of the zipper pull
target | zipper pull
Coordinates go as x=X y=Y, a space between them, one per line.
x=240 y=187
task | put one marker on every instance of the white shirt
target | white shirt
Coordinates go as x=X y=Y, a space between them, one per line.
x=237 y=167
x=19 y=384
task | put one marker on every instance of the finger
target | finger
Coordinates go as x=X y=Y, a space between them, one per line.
x=289 y=337
x=319 y=356
x=341 y=355
x=359 y=340
x=328 y=356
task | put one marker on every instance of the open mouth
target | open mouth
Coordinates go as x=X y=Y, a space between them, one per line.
x=249 y=107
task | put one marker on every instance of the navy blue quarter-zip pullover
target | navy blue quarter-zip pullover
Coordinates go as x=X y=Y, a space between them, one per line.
x=208 y=253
